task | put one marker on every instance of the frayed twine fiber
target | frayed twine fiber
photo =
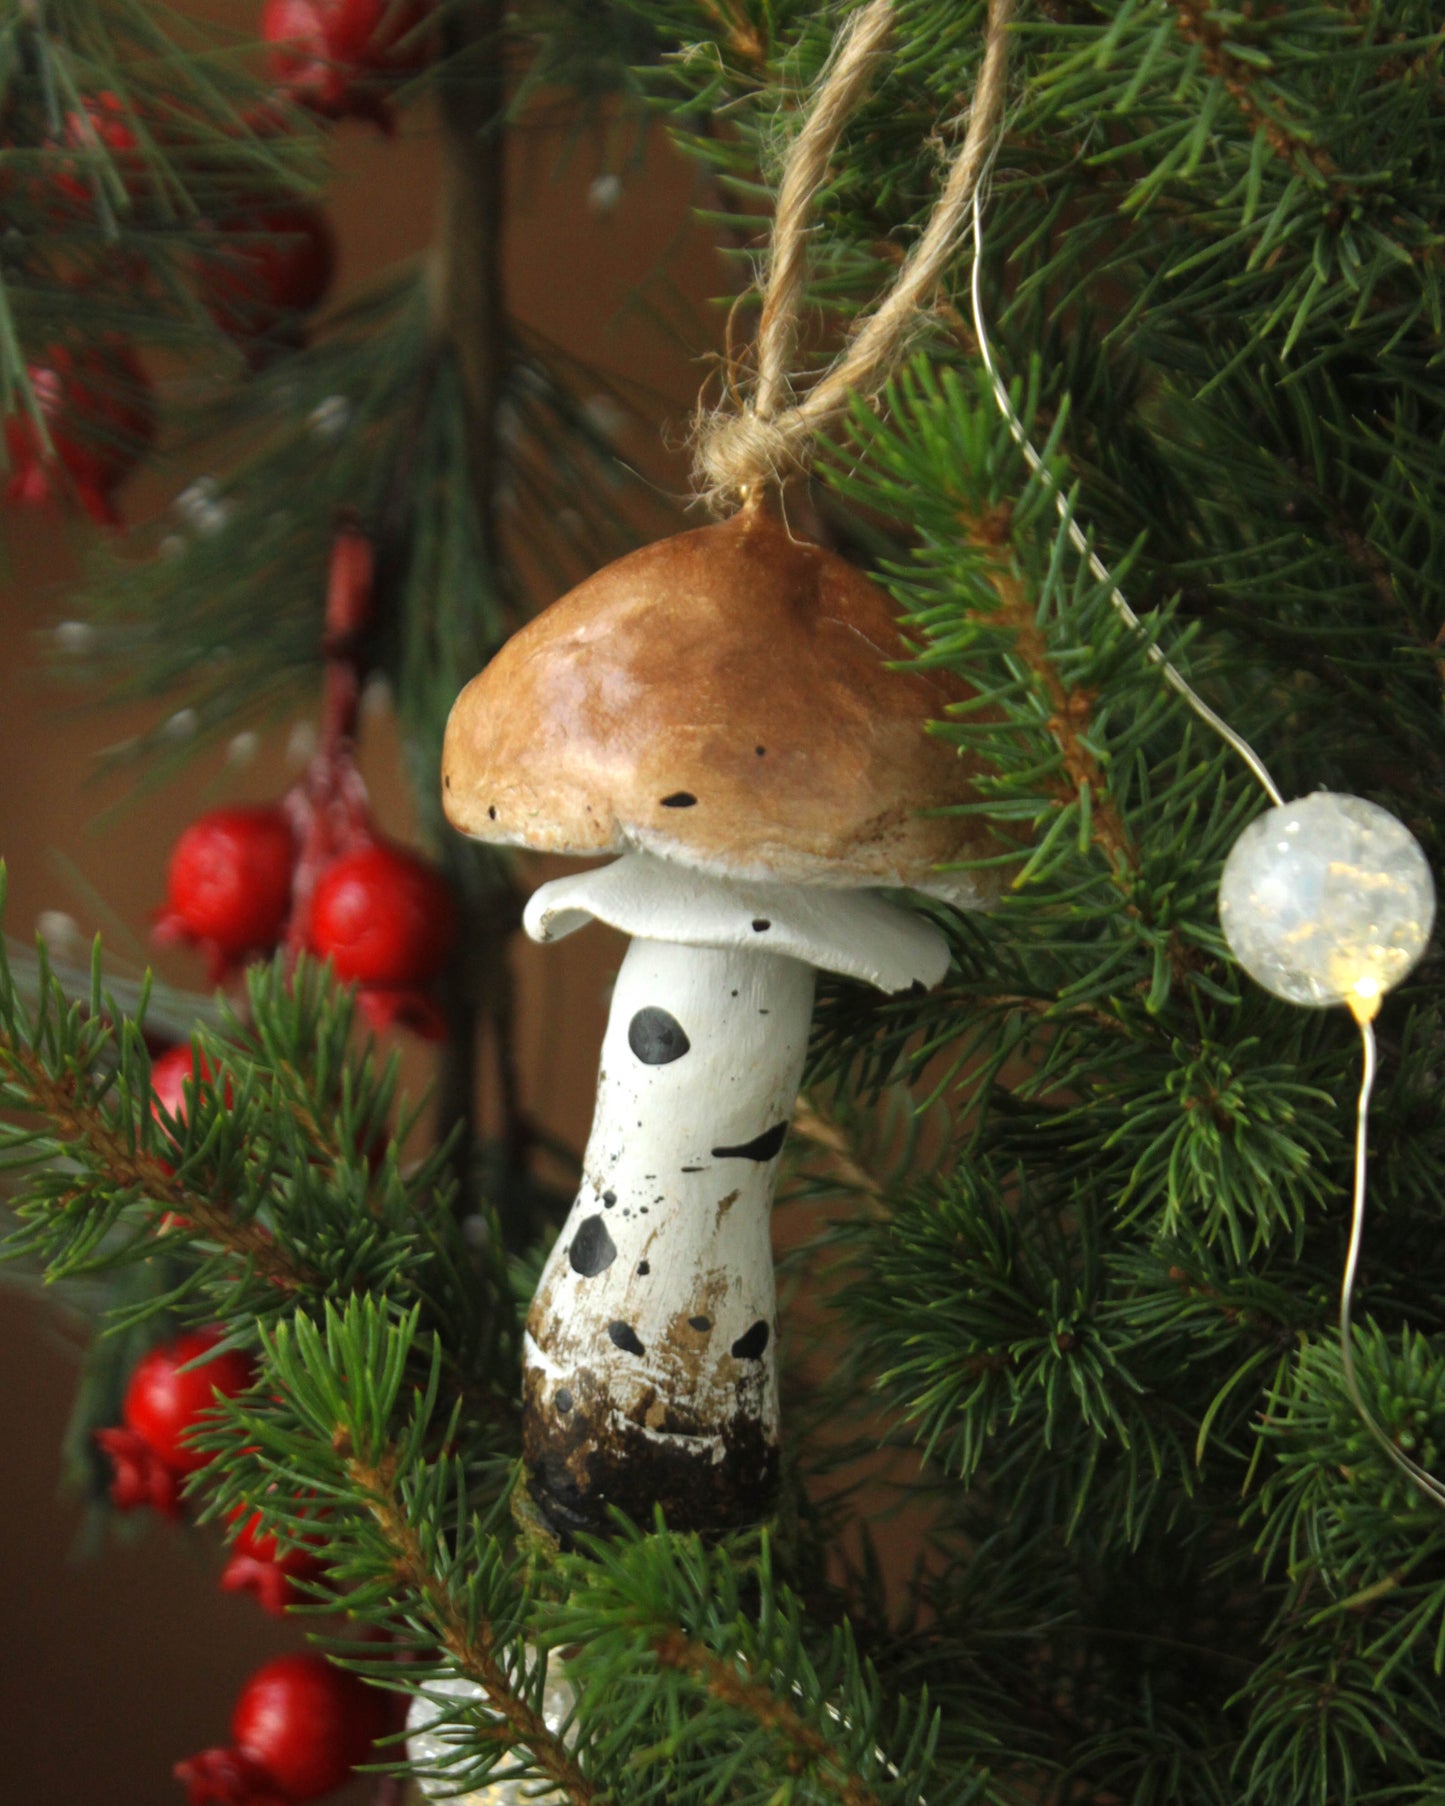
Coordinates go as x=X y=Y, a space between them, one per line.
x=737 y=454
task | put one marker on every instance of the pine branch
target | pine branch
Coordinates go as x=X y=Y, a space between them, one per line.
x=1096 y=1304
x=1199 y=25
x=352 y=1444
x=810 y=1752
x=746 y=39
x=78 y=1123
x=274 y=1166
x=131 y=135
x=470 y=1645
x=56 y=1063
x=703 y=1651
x=1069 y=718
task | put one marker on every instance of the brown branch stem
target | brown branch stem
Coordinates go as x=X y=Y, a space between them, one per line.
x=81 y=1124
x=841 y=1157
x=725 y=1682
x=1287 y=142
x=1048 y=1007
x=1069 y=714
x=1069 y=719
x=744 y=39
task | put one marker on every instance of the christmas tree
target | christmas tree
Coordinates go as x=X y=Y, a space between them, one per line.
x=1068 y=1197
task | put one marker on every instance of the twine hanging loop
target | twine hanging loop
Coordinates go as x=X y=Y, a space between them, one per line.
x=740 y=452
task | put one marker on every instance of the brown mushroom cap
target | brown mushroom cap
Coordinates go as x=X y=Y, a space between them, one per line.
x=723 y=699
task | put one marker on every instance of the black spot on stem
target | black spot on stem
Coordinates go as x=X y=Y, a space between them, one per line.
x=624 y=1336
x=563 y=1400
x=761 y=1147
x=699 y=1323
x=593 y=1249
x=680 y=799
x=656 y=1037
x=761 y=924
x=751 y=1343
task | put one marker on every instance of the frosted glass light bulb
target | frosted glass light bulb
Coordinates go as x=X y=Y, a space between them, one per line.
x=430 y=1744
x=1327 y=900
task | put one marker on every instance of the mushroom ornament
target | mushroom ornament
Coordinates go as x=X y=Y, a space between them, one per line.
x=719 y=709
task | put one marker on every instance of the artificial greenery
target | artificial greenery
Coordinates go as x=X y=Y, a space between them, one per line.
x=1085 y=1205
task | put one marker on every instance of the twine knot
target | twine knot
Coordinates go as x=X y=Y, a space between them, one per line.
x=736 y=454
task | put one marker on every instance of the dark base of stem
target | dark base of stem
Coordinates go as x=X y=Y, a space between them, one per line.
x=583 y=1465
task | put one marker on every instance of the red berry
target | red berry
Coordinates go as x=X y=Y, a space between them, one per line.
x=174 y=1078
x=224 y=1777
x=299 y=57
x=99 y=411
x=162 y=1404
x=103 y=118
x=103 y=123
x=299 y=1728
x=258 y=1565
x=337 y=56
x=383 y=916
x=382 y=35
x=228 y=885
x=277 y=260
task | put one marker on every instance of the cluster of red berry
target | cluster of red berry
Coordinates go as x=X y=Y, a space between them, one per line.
x=269 y=264
x=311 y=872
x=300 y=1725
x=382 y=916
x=166 y=1400
x=169 y=1396
x=151 y=1453
x=99 y=413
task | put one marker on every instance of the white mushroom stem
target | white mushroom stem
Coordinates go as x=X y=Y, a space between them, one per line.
x=649 y=1368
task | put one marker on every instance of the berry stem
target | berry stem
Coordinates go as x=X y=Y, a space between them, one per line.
x=329 y=807
x=348 y=615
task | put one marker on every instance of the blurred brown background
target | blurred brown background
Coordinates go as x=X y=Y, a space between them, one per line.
x=113 y=1668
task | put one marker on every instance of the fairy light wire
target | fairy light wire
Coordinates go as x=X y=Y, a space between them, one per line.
x=1173 y=677
x=1425 y=1481
x=1422 y=1477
